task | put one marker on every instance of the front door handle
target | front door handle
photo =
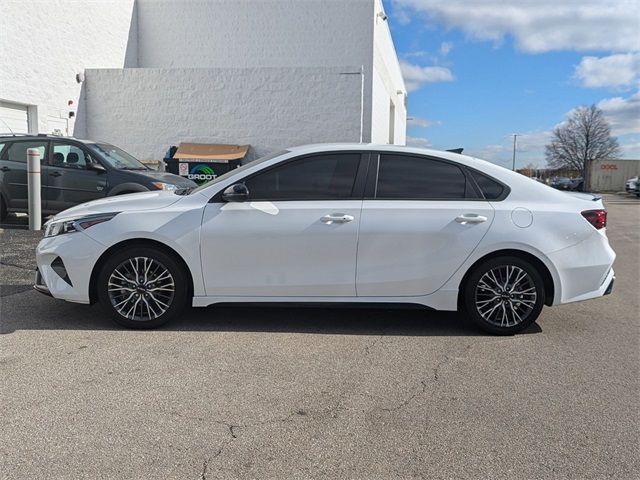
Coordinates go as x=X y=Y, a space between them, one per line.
x=470 y=218
x=55 y=174
x=337 y=218
x=5 y=169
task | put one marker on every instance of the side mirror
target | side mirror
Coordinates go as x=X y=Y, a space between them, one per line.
x=236 y=193
x=98 y=167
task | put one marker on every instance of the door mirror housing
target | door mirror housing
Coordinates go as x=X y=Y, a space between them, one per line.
x=236 y=193
x=98 y=167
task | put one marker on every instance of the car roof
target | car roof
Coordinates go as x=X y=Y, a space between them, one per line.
x=373 y=147
x=24 y=136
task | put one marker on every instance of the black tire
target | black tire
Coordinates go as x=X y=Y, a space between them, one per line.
x=152 y=297
x=3 y=209
x=499 y=310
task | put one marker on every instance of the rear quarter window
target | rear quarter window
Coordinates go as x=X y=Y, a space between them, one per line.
x=491 y=189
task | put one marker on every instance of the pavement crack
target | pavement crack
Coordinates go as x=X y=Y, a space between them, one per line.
x=424 y=384
x=407 y=400
x=378 y=339
x=437 y=370
x=15 y=265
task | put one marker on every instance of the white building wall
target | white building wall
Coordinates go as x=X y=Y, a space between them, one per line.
x=265 y=107
x=387 y=86
x=258 y=33
x=44 y=44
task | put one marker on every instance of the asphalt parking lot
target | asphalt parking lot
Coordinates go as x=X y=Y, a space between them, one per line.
x=246 y=392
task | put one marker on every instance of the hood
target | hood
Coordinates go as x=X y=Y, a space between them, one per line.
x=164 y=177
x=122 y=203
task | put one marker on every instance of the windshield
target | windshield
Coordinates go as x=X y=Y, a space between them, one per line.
x=239 y=169
x=118 y=158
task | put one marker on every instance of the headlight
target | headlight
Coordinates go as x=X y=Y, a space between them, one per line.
x=165 y=186
x=54 y=228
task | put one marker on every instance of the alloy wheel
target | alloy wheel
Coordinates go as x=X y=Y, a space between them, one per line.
x=505 y=296
x=141 y=289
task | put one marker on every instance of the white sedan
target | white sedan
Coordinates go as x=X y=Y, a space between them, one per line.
x=336 y=223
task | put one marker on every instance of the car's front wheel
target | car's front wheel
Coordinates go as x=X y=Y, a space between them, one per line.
x=504 y=295
x=142 y=287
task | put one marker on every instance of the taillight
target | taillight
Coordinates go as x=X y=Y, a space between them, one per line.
x=597 y=218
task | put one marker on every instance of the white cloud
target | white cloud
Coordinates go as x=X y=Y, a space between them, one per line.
x=419 y=142
x=445 y=48
x=422 y=122
x=622 y=113
x=541 y=25
x=620 y=70
x=416 y=76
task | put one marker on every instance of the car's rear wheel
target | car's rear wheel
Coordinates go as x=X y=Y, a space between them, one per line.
x=504 y=295
x=142 y=287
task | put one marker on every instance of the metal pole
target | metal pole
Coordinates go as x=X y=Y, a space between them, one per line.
x=33 y=186
x=515 y=135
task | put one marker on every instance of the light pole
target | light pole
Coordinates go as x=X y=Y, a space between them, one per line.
x=515 y=135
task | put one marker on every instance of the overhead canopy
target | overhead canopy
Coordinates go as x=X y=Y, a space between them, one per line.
x=211 y=152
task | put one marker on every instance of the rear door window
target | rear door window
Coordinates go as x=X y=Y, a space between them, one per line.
x=17 y=152
x=419 y=178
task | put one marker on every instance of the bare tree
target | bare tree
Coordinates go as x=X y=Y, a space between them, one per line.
x=583 y=138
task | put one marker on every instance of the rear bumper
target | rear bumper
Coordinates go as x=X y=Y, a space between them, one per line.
x=584 y=270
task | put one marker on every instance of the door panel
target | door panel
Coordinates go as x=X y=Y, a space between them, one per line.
x=14 y=172
x=70 y=181
x=280 y=248
x=412 y=247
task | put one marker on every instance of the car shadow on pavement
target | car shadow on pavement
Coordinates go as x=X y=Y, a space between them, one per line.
x=42 y=313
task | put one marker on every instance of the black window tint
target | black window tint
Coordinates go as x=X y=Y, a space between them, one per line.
x=17 y=152
x=410 y=177
x=489 y=187
x=312 y=178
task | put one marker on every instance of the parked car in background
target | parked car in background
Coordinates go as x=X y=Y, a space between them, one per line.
x=576 y=184
x=637 y=190
x=336 y=223
x=632 y=184
x=561 y=183
x=73 y=171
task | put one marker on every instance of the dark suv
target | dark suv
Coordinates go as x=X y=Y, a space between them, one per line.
x=74 y=171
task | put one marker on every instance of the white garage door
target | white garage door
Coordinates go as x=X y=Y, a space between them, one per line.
x=13 y=118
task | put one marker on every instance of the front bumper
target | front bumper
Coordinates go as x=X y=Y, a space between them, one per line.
x=78 y=253
x=40 y=286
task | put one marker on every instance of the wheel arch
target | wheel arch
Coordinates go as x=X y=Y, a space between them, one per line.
x=537 y=263
x=93 y=280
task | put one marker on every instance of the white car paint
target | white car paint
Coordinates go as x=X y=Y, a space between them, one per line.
x=389 y=251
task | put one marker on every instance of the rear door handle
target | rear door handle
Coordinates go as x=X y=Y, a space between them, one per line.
x=337 y=218
x=471 y=218
x=55 y=174
x=5 y=169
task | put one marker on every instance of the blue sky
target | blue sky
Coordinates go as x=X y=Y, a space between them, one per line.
x=478 y=71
